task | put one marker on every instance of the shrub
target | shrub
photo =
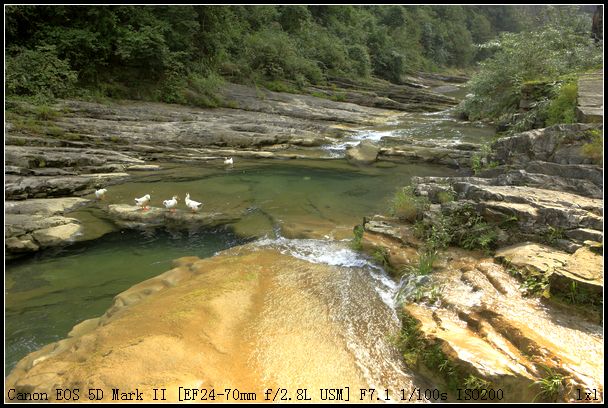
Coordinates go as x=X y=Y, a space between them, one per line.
x=595 y=149
x=273 y=54
x=356 y=242
x=445 y=197
x=38 y=72
x=362 y=64
x=463 y=227
x=556 y=49
x=562 y=109
x=551 y=385
x=407 y=206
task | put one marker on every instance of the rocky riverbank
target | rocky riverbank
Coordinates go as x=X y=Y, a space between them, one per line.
x=531 y=312
x=71 y=148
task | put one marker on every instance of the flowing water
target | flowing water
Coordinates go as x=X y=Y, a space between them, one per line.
x=303 y=208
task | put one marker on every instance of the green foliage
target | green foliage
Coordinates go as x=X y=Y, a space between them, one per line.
x=445 y=197
x=562 y=108
x=464 y=227
x=552 y=234
x=407 y=206
x=480 y=161
x=560 y=46
x=426 y=259
x=45 y=112
x=280 y=86
x=475 y=383
x=38 y=72
x=356 y=242
x=580 y=296
x=381 y=256
x=595 y=149
x=535 y=284
x=153 y=52
x=551 y=385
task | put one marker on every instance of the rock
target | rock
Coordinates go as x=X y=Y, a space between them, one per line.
x=48 y=206
x=186 y=326
x=484 y=327
x=55 y=186
x=143 y=167
x=538 y=207
x=26 y=233
x=583 y=268
x=590 y=105
x=453 y=157
x=58 y=235
x=364 y=153
x=589 y=173
x=584 y=234
x=557 y=144
x=24 y=243
x=548 y=182
x=392 y=228
x=132 y=216
x=534 y=258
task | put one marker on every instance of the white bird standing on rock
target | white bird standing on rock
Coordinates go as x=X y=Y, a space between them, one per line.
x=194 y=205
x=100 y=194
x=228 y=160
x=171 y=204
x=143 y=202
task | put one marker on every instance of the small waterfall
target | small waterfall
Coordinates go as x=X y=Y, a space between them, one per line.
x=361 y=299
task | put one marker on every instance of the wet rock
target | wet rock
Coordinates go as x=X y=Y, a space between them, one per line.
x=27 y=233
x=189 y=325
x=132 y=216
x=364 y=153
x=391 y=228
x=143 y=167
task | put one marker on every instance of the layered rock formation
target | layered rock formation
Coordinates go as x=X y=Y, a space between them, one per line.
x=544 y=198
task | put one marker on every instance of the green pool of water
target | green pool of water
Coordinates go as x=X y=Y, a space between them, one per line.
x=48 y=294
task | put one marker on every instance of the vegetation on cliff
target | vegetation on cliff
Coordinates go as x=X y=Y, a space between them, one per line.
x=543 y=60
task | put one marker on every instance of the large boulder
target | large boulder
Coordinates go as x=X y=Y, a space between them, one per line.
x=364 y=153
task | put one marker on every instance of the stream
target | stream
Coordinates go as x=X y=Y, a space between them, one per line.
x=302 y=208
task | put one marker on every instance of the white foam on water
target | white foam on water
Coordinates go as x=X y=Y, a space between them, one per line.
x=336 y=253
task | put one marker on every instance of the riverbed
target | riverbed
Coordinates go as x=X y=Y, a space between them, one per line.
x=302 y=208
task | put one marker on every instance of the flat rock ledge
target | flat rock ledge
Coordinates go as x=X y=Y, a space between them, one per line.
x=37 y=224
x=131 y=216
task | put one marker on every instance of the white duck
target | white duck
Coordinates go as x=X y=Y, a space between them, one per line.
x=228 y=160
x=171 y=204
x=143 y=201
x=194 y=205
x=100 y=194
